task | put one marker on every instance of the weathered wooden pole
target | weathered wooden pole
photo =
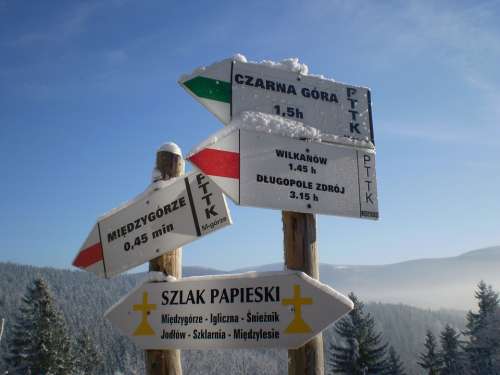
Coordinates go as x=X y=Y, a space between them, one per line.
x=301 y=254
x=169 y=163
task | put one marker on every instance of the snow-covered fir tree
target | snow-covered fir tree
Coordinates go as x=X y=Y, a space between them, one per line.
x=88 y=360
x=38 y=342
x=394 y=364
x=452 y=356
x=430 y=360
x=361 y=350
x=483 y=333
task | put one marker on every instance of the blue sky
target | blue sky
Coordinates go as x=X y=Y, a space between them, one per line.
x=88 y=91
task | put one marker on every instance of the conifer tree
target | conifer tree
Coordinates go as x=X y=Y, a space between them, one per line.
x=38 y=342
x=482 y=331
x=394 y=364
x=430 y=359
x=361 y=350
x=88 y=360
x=451 y=354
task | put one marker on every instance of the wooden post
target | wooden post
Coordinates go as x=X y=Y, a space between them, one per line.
x=169 y=163
x=301 y=254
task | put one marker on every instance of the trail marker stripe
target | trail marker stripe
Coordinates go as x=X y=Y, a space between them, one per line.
x=89 y=256
x=217 y=162
x=210 y=88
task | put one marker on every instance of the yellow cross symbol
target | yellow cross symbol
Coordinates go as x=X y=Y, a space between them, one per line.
x=297 y=325
x=144 y=329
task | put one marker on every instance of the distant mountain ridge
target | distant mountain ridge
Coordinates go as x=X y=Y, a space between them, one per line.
x=426 y=283
x=434 y=283
x=492 y=251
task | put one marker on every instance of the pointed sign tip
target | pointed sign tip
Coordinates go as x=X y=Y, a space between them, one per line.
x=218 y=163
x=89 y=256
x=209 y=88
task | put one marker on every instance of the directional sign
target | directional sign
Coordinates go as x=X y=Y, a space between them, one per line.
x=253 y=310
x=264 y=170
x=230 y=87
x=185 y=209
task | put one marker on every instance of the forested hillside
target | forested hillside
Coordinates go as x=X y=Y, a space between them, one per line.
x=83 y=299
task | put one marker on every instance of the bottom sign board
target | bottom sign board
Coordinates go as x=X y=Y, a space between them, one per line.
x=250 y=310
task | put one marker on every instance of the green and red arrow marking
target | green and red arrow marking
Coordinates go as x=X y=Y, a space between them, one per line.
x=211 y=87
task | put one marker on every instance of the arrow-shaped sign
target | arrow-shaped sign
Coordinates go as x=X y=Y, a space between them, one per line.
x=230 y=87
x=253 y=310
x=186 y=208
x=264 y=170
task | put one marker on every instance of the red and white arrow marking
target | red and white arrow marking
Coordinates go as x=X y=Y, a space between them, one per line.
x=90 y=257
x=220 y=161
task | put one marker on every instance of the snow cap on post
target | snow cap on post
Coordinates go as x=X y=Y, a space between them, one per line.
x=171 y=147
x=168 y=159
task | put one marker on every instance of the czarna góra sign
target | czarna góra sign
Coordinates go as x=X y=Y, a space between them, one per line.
x=186 y=208
x=273 y=171
x=253 y=310
x=230 y=87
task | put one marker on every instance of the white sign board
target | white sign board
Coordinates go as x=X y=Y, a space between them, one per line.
x=253 y=310
x=186 y=208
x=231 y=87
x=264 y=170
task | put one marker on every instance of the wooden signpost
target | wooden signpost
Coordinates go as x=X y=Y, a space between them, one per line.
x=169 y=164
x=301 y=254
x=265 y=171
x=254 y=167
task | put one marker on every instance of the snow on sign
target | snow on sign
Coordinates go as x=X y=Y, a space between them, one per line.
x=273 y=171
x=251 y=310
x=184 y=209
x=232 y=86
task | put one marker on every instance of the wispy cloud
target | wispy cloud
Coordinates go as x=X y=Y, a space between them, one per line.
x=72 y=23
x=463 y=38
x=466 y=38
x=442 y=133
x=482 y=164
